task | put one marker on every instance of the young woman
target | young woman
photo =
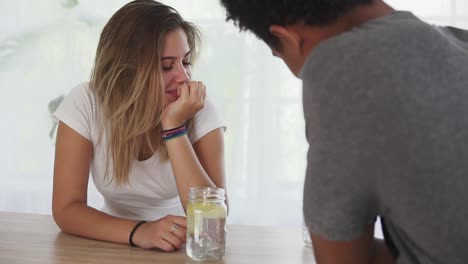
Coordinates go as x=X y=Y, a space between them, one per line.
x=142 y=128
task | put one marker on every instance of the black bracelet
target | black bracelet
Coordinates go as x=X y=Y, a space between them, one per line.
x=130 y=238
x=173 y=129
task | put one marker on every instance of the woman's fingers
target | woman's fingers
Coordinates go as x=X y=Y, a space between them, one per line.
x=180 y=220
x=172 y=238
x=164 y=245
x=170 y=232
x=177 y=228
x=180 y=232
x=204 y=93
x=196 y=91
x=191 y=100
x=193 y=89
x=176 y=231
x=184 y=90
x=201 y=93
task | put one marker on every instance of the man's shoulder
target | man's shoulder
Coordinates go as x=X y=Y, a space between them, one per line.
x=378 y=48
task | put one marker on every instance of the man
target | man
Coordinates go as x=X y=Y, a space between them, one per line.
x=385 y=99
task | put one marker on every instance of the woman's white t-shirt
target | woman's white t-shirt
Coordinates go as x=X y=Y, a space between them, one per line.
x=151 y=192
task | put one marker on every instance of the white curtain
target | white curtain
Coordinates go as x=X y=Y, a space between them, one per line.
x=47 y=47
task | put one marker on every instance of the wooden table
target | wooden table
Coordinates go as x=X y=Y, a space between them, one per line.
x=31 y=238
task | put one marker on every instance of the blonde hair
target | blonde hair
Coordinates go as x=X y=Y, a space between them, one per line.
x=127 y=80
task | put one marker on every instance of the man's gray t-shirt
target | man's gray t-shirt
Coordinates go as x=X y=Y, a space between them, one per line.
x=386 y=110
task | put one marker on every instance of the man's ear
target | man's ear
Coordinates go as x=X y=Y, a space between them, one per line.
x=287 y=36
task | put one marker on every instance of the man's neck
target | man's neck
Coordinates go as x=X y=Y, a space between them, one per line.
x=363 y=14
x=357 y=16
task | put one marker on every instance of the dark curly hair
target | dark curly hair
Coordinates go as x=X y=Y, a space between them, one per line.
x=258 y=15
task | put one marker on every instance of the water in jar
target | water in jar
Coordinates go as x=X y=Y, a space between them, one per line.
x=206 y=230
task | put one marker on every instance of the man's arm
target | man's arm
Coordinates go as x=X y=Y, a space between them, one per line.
x=364 y=249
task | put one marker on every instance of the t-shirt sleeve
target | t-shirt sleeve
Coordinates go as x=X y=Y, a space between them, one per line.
x=76 y=111
x=341 y=161
x=205 y=121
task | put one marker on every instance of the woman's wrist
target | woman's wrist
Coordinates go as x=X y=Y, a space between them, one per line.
x=168 y=125
x=133 y=237
x=174 y=133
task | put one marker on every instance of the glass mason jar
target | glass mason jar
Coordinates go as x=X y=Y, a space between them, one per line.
x=206 y=223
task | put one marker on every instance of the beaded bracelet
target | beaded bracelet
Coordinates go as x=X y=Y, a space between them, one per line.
x=173 y=133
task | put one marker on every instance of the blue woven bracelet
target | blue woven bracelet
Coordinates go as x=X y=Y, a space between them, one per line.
x=175 y=135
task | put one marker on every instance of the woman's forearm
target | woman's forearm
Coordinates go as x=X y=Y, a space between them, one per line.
x=81 y=220
x=186 y=167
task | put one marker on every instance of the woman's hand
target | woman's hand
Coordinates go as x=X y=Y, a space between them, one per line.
x=167 y=233
x=191 y=100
